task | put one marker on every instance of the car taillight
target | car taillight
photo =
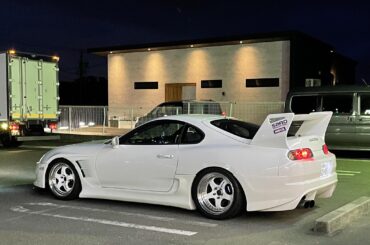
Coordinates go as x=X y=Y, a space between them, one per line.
x=325 y=149
x=300 y=154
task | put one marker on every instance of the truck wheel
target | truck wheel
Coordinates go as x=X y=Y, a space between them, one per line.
x=10 y=143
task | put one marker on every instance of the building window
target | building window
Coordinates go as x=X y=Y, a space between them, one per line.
x=262 y=82
x=211 y=84
x=146 y=85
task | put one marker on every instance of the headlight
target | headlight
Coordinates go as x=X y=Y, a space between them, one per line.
x=4 y=126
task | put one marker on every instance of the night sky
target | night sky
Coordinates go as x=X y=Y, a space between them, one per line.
x=67 y=27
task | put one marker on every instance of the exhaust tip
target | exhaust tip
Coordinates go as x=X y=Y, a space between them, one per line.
x=306 y=205
x=312 y=204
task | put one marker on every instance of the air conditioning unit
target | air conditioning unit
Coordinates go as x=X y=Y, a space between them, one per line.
x=312 y=82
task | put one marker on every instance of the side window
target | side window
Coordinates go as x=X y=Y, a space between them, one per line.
x=238 y=128
x=365 y=105
x=305 y=104
x=192 y=135
x=338 y=104
x=163 y=132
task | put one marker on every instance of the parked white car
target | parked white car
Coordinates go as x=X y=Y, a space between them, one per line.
x=217 y=165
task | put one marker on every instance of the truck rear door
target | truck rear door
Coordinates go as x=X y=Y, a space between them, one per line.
x=33 y=88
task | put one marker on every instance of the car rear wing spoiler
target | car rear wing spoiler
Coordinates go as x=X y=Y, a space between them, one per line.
x=274 y=130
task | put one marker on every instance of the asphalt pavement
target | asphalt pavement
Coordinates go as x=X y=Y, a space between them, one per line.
x=29 y=216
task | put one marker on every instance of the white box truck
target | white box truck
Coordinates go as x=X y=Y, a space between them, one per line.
x=29 y=98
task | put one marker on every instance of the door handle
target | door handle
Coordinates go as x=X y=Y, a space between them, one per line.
x=163 y=156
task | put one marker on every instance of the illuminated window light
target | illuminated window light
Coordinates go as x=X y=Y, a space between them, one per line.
x=191 y=46
x=111 y=52
x=12 y=51
x=149 y=49
x=56 y=58
x=241 y=42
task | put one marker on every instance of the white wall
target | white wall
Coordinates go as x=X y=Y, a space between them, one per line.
x=231 y=63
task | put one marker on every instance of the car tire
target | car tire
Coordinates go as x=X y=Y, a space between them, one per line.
x=63 y=180
x=217 y=194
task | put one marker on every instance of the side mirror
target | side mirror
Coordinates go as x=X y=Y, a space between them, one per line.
x=115 y=142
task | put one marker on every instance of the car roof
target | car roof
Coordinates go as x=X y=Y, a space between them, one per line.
x=193 y=118
x=180 y=102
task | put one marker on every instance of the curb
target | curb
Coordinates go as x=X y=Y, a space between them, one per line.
x=341 y=217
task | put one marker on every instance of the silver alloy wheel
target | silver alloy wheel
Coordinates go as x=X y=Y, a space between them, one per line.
x=61 y=179
x=215 y=193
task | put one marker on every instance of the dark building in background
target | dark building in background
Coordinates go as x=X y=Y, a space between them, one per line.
x=84 y=91
x=315 y=63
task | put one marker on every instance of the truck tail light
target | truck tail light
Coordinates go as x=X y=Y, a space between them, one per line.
x=53 y=125
x=14 y=127
x=325 y=149
x=300 y=154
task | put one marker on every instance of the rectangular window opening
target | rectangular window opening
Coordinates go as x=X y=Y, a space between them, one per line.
x=211 y=84
x=146 y=85
x=262 y=82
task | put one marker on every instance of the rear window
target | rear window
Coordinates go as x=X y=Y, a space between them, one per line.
x=238 y=128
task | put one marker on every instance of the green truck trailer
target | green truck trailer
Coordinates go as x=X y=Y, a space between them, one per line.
x=29 y=98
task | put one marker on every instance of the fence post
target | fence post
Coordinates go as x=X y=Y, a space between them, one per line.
x=104 y=115
x=132 y=117
x=231 y=109
x=70 y=119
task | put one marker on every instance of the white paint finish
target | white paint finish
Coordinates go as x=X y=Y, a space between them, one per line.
x=269 y=179
x=137 y=167
x=231 y=63
x=21 y=209
x=3 y=88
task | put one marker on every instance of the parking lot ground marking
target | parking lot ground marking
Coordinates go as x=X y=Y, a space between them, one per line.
x=353 y=160
x=18 y=151
x=147 y=216
x=348 y=171
x=344 y=174
x=21 y=209
x=38 y=147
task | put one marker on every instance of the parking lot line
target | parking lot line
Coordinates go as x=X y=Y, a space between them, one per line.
x=21 y=209
x=38 y=147
x=348 y=171
x=152 y=217
x=344 y=174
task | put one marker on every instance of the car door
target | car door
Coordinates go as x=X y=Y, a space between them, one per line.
x=146 y=158
x=341 y=130
x=363 y=121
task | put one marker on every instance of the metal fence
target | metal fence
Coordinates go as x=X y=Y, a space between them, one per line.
x=109 y=120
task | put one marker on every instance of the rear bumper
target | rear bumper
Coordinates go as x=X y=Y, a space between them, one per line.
x=311 y=179
x=309 y=192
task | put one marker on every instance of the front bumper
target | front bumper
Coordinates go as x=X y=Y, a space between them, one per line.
x=40 y=175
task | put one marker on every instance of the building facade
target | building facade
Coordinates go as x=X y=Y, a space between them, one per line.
x=259 y=68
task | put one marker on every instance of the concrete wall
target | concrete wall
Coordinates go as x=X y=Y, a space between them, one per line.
x=231 y=63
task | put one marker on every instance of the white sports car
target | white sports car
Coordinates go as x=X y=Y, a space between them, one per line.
x=217 y=165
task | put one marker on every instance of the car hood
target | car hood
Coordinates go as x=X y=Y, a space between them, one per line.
x=82 y=149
